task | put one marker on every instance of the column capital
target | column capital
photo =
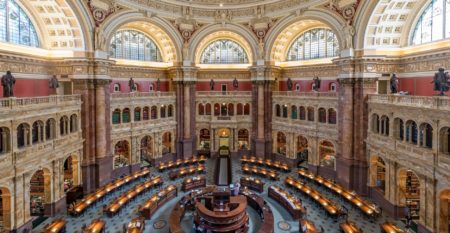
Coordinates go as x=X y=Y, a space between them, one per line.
x=183 y=73
x=265 y=73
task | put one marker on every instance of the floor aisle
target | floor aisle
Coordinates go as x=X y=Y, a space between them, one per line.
x=282 y=218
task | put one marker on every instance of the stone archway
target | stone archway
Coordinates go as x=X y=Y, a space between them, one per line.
x=40 y=192
x=444 y=209
x=5 y=214
x=71 y=172
x=377 y=173
x=409 y=191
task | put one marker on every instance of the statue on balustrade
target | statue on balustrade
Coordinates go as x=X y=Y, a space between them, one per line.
x=316 y=84
x=235 y=83
x=8 y=82
x=394 y=83
x=289 y=84
x=53 y=83
x=441 y=82
x=132 y=85
x=158 y=85
x=211 y=84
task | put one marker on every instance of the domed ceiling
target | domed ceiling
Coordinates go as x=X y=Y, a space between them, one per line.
x=221 y=3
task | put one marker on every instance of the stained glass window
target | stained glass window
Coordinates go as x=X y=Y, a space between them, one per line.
x=313 y=44
x=15 y=25
x=224 y=52
x=134 y=45
x=433 y=24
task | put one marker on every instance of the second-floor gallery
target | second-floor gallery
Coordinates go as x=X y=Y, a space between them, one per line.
x=282 y=115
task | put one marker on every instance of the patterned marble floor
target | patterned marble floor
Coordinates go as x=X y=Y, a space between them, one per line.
x=281 y=216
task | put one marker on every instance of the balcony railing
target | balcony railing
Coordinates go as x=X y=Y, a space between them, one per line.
x=434 y=102
x=54 y=100
x=142 y=94
x=306 y=94
x=224 y=93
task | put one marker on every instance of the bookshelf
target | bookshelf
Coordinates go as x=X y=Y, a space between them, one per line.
x=413 y=194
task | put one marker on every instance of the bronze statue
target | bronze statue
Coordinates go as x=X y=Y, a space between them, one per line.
x=131 y=85
x=316 y=84
x=235 y=83
x=394 y=83
x=158 y=85
x=289 y=84
x=441 y=82
x=8 y=82
x=53 y=83
x=211 y=85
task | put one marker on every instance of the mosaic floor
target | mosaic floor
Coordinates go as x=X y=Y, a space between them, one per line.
x=159 y=223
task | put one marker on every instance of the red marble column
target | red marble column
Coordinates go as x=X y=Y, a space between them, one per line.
x=97 y=160
x=262 y=119
x=185 y=139
x=351 y=162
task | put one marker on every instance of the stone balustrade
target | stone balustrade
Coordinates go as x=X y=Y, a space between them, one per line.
x=39 y=102
x=433 y=102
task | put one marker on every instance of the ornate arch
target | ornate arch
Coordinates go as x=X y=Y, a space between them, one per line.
x=286 y=30
x=161 y=32
x=236 y=33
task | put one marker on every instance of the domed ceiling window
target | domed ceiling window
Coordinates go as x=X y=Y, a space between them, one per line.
x=433 y=24
x=134 y=45
x=224 y=52
x=313 y=44
x=15 y=25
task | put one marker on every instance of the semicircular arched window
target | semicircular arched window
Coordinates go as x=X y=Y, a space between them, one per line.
x=432 y=25
x=224 y=52
x=134 y=45
x=15 y=25
x=313 y=44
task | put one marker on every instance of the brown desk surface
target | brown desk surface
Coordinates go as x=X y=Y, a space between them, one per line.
x=55 y=226
x=267 y=225
x=390 y=228
x=208 y=214
x=136 y=225
x=307 y=226
x=366 y=207
x=349 y=227
x=96 y=226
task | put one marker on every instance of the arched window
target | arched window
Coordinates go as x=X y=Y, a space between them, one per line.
x=240 y=109
x=145 y=113
x=310 y=114
x=246 y=109
x=277 y=110
x=23 y=135
x=302 y=113
x=313 y=44
x=294 y=112
x=444 y=142
x=4 y=140
x=375 y=123
x=134 y=45
x=331 y=116
x=50 y=129
x=137 y=114
x=333 y=87
x=116 y=87
x=163 y=111
x=170 y=111
x=15 y=25
x=64 y=125
x=285 y=111
x=116 y=116
x=73 y=123
x=322 y=115
x=37 y=132
x=411 y=132
x=224 y=52
x=384 y=125
x=154 y=112
x=230 y=109
x=216 y=109
x=431 y=25
x=208 y=109
x=426 y=135
x=126 y=115
x=201 y=109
